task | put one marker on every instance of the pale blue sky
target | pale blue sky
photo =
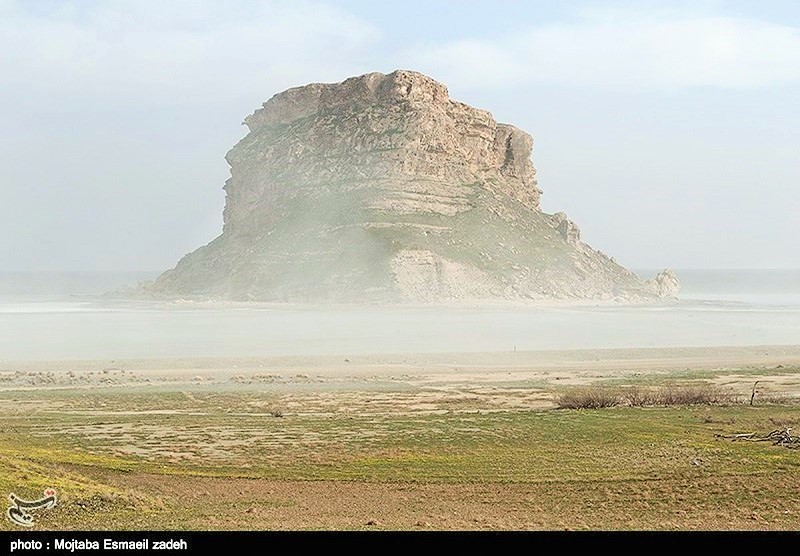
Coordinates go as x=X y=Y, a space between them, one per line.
x=669 y=131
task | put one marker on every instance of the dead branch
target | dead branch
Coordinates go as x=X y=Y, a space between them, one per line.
x=753 y=395
x=778 y=437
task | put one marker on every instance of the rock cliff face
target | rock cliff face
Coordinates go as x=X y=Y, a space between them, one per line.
x=382 y=188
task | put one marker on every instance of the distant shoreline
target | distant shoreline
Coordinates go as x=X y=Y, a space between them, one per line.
x=653 y=358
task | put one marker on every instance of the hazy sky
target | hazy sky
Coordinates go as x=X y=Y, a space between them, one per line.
x=669 y=131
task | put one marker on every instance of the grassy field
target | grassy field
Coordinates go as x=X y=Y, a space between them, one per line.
x=395 y=456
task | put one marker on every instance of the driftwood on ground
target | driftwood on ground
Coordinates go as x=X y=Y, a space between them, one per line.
x=779 y=437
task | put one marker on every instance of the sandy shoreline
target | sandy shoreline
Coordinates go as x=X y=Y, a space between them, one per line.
x=622 y=358
x=557 y=367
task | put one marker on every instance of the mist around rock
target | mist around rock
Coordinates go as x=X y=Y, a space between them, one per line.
x=383 y=189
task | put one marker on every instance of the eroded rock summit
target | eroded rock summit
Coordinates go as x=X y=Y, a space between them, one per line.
x=382 y=188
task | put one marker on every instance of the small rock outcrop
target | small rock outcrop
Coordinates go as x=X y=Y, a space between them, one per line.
x=665 y=284
x=567 y=228
x=382 y=188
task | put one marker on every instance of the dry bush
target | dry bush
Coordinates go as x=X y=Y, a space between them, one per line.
x=588 y=398
x=636 y=396
x=694 y=394
x=596 y=397
x=775 y=399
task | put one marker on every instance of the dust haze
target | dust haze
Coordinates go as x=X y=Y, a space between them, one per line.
x=435 y=282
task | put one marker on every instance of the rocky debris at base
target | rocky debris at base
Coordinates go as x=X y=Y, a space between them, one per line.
x=665 y=284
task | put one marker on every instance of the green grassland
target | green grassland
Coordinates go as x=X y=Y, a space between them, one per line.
x=133 y=460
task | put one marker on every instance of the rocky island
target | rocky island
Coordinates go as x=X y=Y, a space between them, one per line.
x=383 y=189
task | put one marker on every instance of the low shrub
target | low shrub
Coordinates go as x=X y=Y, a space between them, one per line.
x=588 y=398
x=694 y=394
x=596 y=397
